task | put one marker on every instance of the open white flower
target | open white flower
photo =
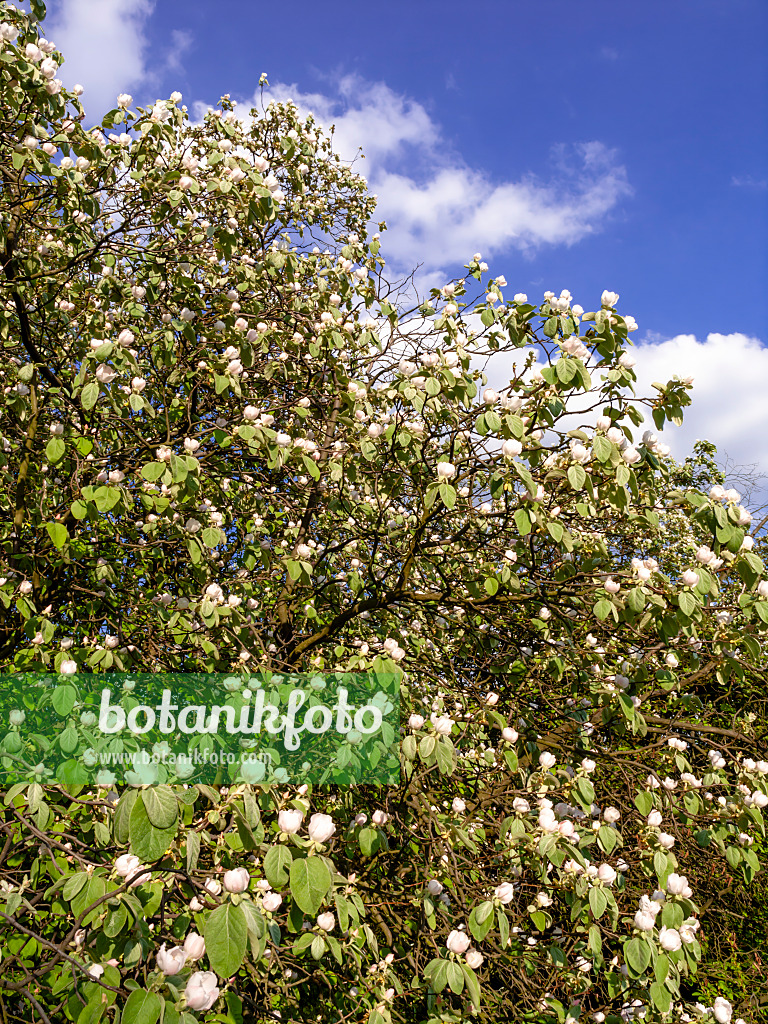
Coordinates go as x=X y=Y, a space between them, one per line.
x=201 y=991
x=171 y=961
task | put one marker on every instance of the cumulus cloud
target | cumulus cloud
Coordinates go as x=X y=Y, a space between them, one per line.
x=104 y=45
x=438 y=208
x=730 y=382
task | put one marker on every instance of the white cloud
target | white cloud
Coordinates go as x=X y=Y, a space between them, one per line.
x=730 y=384
x=438 y=209
x=103 y=43
x=728 y=407
x=459 y=209
x=749 y=182
x=181 y=41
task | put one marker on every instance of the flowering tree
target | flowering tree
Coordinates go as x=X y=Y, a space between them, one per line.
x=228 y=447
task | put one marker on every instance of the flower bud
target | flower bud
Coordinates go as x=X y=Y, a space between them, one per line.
x=457 y=942
x=290 y=820
x=194 y=946
x=511 y=447
x=669 y=939
x=504 y=892
x=271 y=901
x=201 y=991
x=321 y=828
x=237 y=880
x=474 y=959
x=171 y=961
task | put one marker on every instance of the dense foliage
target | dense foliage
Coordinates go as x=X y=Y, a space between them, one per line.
x=227 y=446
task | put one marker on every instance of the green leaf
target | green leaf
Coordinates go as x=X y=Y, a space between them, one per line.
x=55 y=449
x=161 y=806
x=92 y=891
x=116 y=921
x=565 y=369
x=153 y=470
x=602 y=448
x=93 y=1011
x=368 y=841
x=550 y=327
x=455 y=977
x=597 y=901
x=148 y=842
x=556 y=531
x=491 y=585
x=445 y=755
x=440 y=976
x=226 y=938
x=644 y=803
x=661 y=996
x=211 y=536
x=602 y=608
x=277 y=865
x=123 y=814
x=68 y=740
x=607 y=837
x=473 y=985
x=193 y=850
x=576 y=477
x=73 y=885
x=58 y=534
x=637 y=954
x=142 y=1008
x=522 y=522
x=310 y=881
x=480 y=920
x=63 y=699
x=661 y=967
x=448 y=495
x=89 y=395
x=636 y=599
x=672 y=915
x=503 y=922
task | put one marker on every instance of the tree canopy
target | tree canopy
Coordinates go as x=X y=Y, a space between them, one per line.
x=229 y=445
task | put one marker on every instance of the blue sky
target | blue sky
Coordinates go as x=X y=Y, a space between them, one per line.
x=581 y=146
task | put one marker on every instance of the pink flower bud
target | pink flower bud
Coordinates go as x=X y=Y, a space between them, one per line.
x=171 y=961
x=457 y=942
x=290 y=820
x=237 y=880
x=321 y=828
x=194 y=946
x=201 y=991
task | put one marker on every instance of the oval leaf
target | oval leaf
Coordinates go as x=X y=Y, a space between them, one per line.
x=161 y=806
x=310 y=882
x=142 y=1008
x=147 y=842
x=226 y=936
